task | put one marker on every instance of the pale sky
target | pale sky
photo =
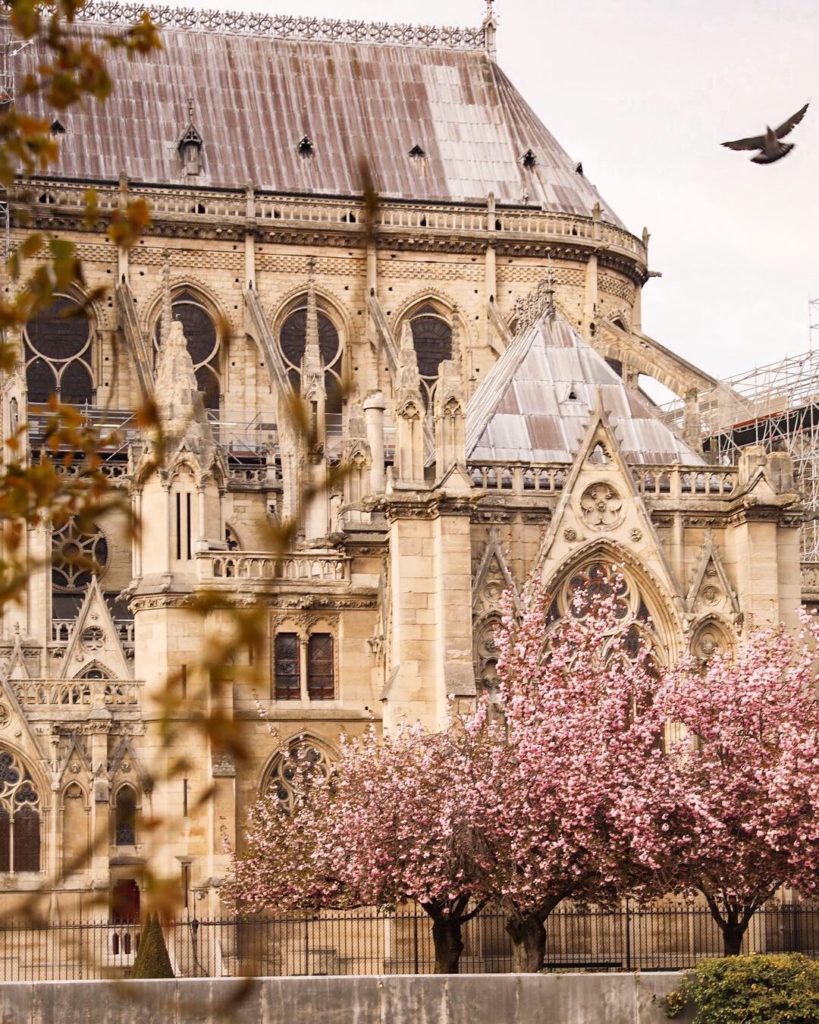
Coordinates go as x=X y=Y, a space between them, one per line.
x=643 y=92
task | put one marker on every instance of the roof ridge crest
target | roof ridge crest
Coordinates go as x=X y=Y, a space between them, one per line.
x=285 y=26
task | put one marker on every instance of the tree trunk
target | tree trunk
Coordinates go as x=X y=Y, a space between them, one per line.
x=446 y=936
x=528 y=935
x=732 y=936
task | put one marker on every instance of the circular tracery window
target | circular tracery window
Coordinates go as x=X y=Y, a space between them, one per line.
x=596 y=582
x=76 y=556
x=58 y=352
x=295 y=771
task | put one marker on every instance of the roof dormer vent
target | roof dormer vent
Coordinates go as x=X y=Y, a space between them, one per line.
x=305 y=147
x=416 y=152
x=190 y=146
x=528 y=159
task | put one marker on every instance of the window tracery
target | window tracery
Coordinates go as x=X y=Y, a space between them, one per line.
x=432 y=338
x=77 y=554
x=597 y=581
x=20 y=816
x=292 y=342
x=204 y=343
x=294 y=771
x=59 y=353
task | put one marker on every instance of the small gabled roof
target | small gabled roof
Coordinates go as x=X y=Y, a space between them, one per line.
x=534 y=404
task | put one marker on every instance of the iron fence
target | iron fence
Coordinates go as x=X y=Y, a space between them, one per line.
x=669 y=936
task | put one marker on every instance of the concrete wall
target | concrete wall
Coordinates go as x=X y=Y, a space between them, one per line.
x=468 y=999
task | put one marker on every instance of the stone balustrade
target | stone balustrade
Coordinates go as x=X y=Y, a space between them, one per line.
x=671 y=481
x=292 y=211
x=109 y=693
x=63 y=629
x=677 y=481
x=298 y=567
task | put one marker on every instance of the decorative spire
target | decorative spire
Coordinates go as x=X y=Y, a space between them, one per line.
x=181 y=409
x=312 y=370
x=490 y=30
x=167 y=301
x=409 y=379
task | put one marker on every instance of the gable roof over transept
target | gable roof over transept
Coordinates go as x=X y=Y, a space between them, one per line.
x=294 y=107
x=534 y=404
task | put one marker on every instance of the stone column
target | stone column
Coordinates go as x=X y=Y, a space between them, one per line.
x=374 y=406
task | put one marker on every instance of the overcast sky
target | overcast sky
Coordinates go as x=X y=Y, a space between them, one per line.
x=643 y=92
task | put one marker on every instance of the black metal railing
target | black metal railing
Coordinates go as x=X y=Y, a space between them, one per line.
x=669 y=936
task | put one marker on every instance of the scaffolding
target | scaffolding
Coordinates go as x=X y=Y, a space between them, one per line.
x=777 y=407
x=9 y=47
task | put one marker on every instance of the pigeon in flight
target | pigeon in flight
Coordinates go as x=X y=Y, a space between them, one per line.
x=769 y=146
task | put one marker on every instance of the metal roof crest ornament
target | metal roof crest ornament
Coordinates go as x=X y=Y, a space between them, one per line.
x=281 y=26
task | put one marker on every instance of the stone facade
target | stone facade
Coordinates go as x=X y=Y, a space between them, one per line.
x=392 y=329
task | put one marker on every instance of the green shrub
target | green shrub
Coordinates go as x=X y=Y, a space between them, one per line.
x=152 y=960
x=760 y=989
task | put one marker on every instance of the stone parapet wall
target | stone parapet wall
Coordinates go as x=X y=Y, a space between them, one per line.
x=467 y=999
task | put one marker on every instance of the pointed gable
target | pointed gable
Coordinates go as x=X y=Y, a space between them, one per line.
x=534 y=404
x=95 y=640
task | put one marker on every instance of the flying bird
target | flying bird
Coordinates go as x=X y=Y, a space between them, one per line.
x=769 y=146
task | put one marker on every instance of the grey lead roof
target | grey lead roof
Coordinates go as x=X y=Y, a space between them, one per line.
x=536 y=402
x=256 y=96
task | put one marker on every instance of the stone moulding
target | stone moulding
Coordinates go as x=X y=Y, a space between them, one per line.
x=279 y=26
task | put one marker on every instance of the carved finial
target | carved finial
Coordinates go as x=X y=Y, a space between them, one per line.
x=190 y=110
x=312 y=371
x=490 y=30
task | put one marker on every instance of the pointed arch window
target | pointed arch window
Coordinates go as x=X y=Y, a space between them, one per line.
x=432 y=337
x=304 y=763
x=58 y=346
x=125 y=817
x=20 y=817
x=292 y=342
x=75 y=829
x=77 y=554
x=600 y=580
x=204 y=343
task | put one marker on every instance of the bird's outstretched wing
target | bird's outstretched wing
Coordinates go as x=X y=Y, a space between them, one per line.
x=791 y=123
x=756 y=142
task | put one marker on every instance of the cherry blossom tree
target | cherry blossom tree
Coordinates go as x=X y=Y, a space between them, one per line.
x=575 y=806
x=390 y=824
x=746 y=775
